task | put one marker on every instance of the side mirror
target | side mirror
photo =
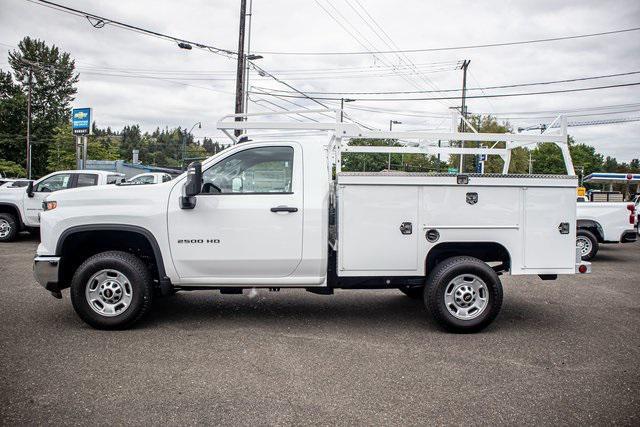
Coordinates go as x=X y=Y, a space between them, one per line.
x=193 y=186
x=30 y=189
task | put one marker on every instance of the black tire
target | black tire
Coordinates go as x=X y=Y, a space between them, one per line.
x=439 y=282
x=413 y=292
x=593 y=241
x=9 y=221
x=139 y=279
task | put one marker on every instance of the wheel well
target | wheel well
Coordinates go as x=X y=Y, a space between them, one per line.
x=592 y=226
x=77 y=247
x=11 y=209
x=489 y=252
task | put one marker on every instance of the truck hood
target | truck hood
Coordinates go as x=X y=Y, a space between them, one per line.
x=112 y=195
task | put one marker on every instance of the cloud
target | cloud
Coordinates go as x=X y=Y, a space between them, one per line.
x=285 y=25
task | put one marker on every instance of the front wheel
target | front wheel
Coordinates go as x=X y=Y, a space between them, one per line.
x=8 y=227
x=587 y=244
x=463 y=294
x=112 y=290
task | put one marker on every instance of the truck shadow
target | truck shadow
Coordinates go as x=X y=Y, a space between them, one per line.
x=298 y=309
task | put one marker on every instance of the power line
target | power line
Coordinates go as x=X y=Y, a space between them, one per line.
x=98 y=21
x=183 y=43
x=502 y=95
x=365 y=39
x=470 y=88
x=438 y=49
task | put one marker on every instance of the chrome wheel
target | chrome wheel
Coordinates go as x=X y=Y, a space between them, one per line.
x=584 y=245
x=5 y=228
x=109 y=293
x=466 y=296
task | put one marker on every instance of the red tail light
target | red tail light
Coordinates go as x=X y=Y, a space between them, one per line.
x=632 y=217
x=582 y=269
x=631 y=207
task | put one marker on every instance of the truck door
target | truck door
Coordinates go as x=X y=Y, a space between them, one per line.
x=247 y=221
x=44 y=187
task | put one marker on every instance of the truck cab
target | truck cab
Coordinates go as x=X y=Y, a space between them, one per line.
x=20 y=207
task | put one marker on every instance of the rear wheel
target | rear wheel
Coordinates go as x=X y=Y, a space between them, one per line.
x=587 y=243
x=8 y=227
x=463 y=294
x=112 y=290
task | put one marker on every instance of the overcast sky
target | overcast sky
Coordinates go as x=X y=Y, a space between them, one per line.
x=182 y=87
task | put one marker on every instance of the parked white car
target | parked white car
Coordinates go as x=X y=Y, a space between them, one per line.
x=150 y=178
x=261 y=215
x=20 y=207
x=604 y=222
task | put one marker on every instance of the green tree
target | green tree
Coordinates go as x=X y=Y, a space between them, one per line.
x=11 y=169
x=62 y=152
x=53 y=88
x=13 y=107
x=494 y=164
x=548 y=158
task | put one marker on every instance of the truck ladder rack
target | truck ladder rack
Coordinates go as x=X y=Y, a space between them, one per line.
x=414 y=142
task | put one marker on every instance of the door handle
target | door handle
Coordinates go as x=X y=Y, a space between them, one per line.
x=284 y=209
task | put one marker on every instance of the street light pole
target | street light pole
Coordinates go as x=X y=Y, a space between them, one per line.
x=391 y=123
x=463 y=109
x=184 y=144
x=29 y=124
x=342 y=101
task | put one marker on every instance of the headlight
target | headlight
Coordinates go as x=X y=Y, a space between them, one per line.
x=47 y=206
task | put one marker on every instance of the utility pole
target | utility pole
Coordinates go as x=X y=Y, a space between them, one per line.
x=463 y=107
x=247 y=58
x=29 y=124
x=241 y=65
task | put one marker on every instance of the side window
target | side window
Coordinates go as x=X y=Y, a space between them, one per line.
x=256 y=170
x=112 y=179
x=144 y=179
x=87 y=180
x=54 y=183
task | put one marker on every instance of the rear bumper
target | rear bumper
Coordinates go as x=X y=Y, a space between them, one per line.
x=45 y=271
x=629 y=236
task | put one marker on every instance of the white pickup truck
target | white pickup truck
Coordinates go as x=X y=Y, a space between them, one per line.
x=271 y=215
x=20 y=207
x=150 y=178
x=604 y=222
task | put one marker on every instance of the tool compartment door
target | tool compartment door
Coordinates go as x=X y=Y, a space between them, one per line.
x=544 y=210
x=370 y=240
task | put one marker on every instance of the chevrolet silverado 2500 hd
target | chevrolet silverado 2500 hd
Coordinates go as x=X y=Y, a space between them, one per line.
x=271 y=215
x=20 y=207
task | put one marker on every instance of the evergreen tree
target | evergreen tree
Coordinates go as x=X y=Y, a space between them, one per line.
x=52 y=91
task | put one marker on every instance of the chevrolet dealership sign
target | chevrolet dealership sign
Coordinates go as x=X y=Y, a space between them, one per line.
x=81 y=121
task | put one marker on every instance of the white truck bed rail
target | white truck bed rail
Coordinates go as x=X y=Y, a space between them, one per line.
x=414 y=142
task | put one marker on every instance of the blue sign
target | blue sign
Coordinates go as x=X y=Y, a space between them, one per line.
x=81 y=121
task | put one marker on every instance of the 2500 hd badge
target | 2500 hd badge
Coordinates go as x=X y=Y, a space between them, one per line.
x=215 y=241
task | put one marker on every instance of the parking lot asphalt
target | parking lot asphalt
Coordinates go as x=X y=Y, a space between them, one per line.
x=565 y=351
